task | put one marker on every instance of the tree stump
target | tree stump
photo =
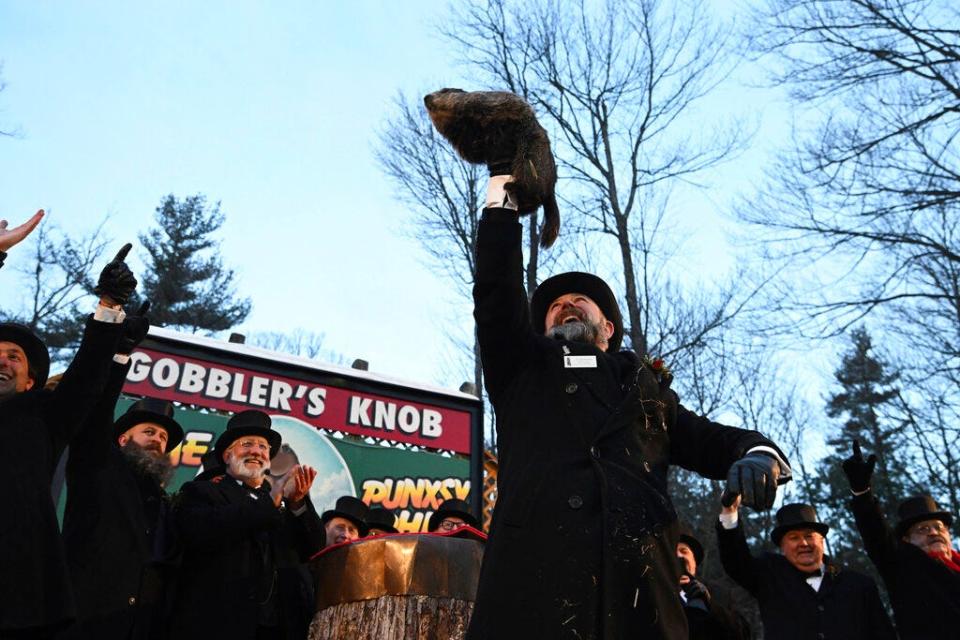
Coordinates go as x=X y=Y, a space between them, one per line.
x=396 y=587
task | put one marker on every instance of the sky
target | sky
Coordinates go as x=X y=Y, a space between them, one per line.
x=272 y=109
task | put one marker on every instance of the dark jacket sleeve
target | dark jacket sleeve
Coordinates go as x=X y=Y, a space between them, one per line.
x=501 y=309
x=736 y=559
x=3 y=256
x=878 y=539
x=203 y=520
x=309 y=534
x=877 y=625
x=94 y=440
x=709 y=448
x=67 y=407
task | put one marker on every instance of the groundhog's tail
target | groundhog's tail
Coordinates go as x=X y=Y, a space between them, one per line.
x=550 y=228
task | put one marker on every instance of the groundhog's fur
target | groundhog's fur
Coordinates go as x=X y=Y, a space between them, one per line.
x=496 y=127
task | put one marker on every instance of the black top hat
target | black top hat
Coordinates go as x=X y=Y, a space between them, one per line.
x=382 y=519
x=38 y=359
x=577 y=282
x=248 y=423
x=452 y=507
x=151 y=410
x=353 y=509
x=796 y=516
x=917 y=509
x=686 y=537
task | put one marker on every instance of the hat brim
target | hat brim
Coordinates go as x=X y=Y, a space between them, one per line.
x=230 y=436
x=439 y=515
x=943 y=516
x=38 y=358
x=577 y=282
x=777 y=534
x=133 y=418
x=362 y=526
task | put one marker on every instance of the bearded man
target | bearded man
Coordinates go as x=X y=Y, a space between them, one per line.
x=583 y=537
x=117 y=527
x=36 y=600
x=915 y=559
x=243 y=542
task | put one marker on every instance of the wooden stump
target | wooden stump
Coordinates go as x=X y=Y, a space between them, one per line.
x=394 y=618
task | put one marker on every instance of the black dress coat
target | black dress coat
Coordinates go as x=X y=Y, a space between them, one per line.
x=925 y=594
x=846 y=607
x=583 y=537
x=38 y=424
x=716 y=622
x=237 y=553
x=116 y=530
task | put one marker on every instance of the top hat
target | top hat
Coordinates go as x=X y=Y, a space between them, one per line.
x=151 y=410
x=917 y=509
x=382 y=519
x=577 y=282
x=353 y=509
x=452 y=507
x=38 y=359
x=686 y=537
x=248 y=423
x=796 y=516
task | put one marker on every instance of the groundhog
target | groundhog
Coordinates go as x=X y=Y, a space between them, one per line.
x=499 y=129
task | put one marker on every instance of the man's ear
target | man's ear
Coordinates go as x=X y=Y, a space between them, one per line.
x=607 y=329
x=123 y=439
x=29 y=385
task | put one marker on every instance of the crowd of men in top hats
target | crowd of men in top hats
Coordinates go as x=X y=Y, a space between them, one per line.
x=584 y=541
x=223 y=558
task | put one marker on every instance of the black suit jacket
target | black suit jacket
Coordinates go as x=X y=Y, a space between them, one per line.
x=38 y=424
x=238 y=551
x=583 y=538
x=925 y=594
x=846 y=607
x=117 y=555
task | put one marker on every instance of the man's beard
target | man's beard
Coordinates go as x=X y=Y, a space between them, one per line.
x=582 y=331
x=238 y=470
x=152 y=463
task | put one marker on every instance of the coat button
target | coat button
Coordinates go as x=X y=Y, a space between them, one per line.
x=571 y=387
x=595 y=453
x=132 y=600
x=575 y=501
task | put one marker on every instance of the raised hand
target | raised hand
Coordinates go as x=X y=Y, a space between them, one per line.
x=135 y=328
x=754 y=478
x=859 y=471
x=116 y=281
x=10 y=237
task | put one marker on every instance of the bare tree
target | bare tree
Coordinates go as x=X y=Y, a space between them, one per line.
x=58 y=277
x=616 y=83
x=298 y=342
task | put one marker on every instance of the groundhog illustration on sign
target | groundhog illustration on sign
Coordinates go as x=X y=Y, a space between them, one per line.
x=498 y=128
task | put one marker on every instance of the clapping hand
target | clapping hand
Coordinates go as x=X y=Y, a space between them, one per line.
x=859 y=471
x=297 y=484
x=116 y=282
x=10 y=237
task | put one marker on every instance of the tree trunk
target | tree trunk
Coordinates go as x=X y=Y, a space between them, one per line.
x=394 y=618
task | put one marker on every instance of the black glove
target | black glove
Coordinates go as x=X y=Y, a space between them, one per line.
x=858 y=470
x=116 y=280
x=696 y=590
x=135 y=328
x=754 y=478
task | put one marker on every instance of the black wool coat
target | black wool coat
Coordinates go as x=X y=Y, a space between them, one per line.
x=583 y=537
x=238 y=552
x=38 y=424
x=718 y=622
x=117 y=530
x=846 y=607
x=925 y=594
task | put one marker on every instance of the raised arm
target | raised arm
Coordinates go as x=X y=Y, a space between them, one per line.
x=878 y=539
x=734 y=553
x=10 y=237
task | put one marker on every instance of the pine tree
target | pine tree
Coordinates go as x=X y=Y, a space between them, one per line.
x=185 y=281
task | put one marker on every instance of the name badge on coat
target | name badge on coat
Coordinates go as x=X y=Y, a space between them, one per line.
x=579 y=362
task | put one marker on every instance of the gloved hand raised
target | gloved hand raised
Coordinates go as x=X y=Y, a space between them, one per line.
x=858 y=470
x=116 y=281
x=135 y=328
x=754 y=478
x=696 y=590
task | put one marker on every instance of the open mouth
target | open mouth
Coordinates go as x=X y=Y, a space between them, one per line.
x=4 y=377
x=570 y=319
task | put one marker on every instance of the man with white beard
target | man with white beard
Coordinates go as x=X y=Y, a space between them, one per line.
x=242 y=541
